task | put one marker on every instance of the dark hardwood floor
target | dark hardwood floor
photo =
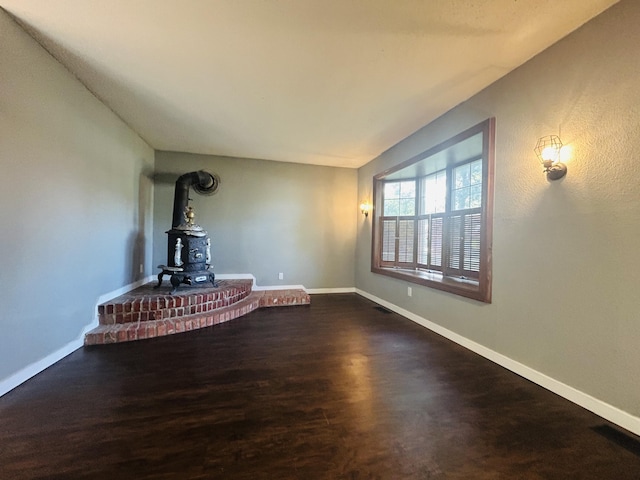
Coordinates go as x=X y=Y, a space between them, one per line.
x=335 y=390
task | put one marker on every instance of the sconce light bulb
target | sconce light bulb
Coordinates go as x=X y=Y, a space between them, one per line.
x=550 y=153
x=364 y=208
x=548 y=150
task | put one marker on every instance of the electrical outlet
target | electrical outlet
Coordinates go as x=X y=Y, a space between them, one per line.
x=409 y=291
x=281 y=276
x=141 y=267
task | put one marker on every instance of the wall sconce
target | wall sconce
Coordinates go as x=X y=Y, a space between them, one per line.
x=548 y=152
x=365 y=208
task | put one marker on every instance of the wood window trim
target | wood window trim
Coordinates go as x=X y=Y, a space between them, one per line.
x=477 y=289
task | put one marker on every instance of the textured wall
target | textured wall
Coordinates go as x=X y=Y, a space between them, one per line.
x=268 y=217
x=75 y=203
x=566 y=265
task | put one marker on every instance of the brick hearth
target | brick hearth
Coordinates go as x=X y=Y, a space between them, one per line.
x=148 y=313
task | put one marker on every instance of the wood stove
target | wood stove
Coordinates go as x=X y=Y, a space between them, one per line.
x=189 y=246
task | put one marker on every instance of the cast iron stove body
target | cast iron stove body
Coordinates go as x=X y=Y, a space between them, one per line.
x=189 y=246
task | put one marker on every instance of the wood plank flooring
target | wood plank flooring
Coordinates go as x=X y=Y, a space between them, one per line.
x=334 y=390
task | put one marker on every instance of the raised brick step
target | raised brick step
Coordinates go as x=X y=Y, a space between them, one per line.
x=144 y=313
x=146 y=303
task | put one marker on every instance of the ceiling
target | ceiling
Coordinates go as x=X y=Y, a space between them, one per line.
x=326 y=82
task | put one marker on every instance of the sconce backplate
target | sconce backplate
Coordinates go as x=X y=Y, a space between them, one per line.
x=557 y=171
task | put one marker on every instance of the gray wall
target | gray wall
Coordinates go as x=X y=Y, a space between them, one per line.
x=268 y=217
x=75 y=203
x=566 y=265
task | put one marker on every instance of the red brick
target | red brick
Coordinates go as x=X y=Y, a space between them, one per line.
x=161 y=329
x=132 y=332
x=141 y=332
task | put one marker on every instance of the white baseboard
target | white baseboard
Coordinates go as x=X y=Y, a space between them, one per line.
x=120 y=291
x=256 y=287
x=236 y=276
x=603 y=409
x=319 y=291
x=33 y=369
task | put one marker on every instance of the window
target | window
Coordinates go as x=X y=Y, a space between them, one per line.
x=432 y=219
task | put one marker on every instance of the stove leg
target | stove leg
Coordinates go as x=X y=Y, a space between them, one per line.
x=160 y=275
x=175 y=282
x=212 y=279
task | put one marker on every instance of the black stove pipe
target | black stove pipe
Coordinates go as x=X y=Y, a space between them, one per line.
x=202 y=182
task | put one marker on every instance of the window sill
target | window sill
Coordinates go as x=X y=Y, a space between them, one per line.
x=468 y=288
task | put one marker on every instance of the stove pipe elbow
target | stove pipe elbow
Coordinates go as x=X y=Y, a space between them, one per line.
x=202 y=182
